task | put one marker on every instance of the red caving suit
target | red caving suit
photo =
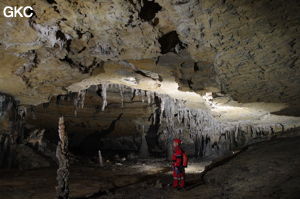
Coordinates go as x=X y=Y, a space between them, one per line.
x=179 y=159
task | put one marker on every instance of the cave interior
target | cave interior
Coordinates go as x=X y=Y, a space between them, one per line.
x=92 y=94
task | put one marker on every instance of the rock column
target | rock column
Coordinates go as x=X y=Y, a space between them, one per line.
x=62 y=154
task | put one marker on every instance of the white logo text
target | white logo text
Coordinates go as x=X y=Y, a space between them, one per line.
x=15 y=11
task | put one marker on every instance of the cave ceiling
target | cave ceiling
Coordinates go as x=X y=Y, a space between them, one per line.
x=238 y=59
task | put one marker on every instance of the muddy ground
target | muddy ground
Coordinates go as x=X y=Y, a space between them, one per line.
x=265 y=170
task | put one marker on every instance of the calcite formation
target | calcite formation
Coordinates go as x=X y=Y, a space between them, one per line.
x=62 y=154
x=142 y=121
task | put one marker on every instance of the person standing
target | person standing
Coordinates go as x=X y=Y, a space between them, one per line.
x=179 y=163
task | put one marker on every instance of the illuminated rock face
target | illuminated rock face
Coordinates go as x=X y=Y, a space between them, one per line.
x=245 y=49
x=253 y=48
x=225 y=63
x=144 y=123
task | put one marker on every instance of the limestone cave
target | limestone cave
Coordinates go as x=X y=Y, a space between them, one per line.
x=158 y=99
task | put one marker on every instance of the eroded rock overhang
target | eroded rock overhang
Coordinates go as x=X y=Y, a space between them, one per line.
x=205 y=53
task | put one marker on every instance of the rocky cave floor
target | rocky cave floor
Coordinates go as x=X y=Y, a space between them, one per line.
x=269 y=169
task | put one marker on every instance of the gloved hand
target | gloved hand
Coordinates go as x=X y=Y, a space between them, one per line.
x=178 y=169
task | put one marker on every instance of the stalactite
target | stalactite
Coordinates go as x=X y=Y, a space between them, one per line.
x=143 y=95
x=121 y=88
x=132 y=93
x=62 y=154
x=148 y=97
x=104 y=96
x=79 y=101
x=175 y=115
x=162 y=108
x=177 y=118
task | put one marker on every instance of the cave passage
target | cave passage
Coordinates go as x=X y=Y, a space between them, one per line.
x=110 y=99
x=117 y=128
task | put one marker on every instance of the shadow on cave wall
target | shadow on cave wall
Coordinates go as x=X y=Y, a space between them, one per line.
x=289 y=111
x=91 y=144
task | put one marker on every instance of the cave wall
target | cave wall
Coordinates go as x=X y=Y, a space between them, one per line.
x=253 y=45
x=10 y=131
x=14 y=149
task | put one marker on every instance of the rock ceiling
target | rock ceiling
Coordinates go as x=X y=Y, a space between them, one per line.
x=239 y=59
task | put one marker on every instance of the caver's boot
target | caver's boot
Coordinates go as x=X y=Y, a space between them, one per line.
x=175 y=182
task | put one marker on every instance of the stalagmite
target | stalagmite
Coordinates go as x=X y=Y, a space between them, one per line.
x=100 y=158
x=144 y=152
x=62 y=154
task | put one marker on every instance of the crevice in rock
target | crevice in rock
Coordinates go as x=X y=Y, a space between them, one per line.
x=60 y=35
x=181 y=2
x=149 y=10
x=68 y=60
x=80 y=51
x=56 y=9
x=145 y=73
x=196 y=68
x=68 y=44
x=51 y=1
x=170 y=42
x=82 y=68
x=149 y=74
x=190 y=83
